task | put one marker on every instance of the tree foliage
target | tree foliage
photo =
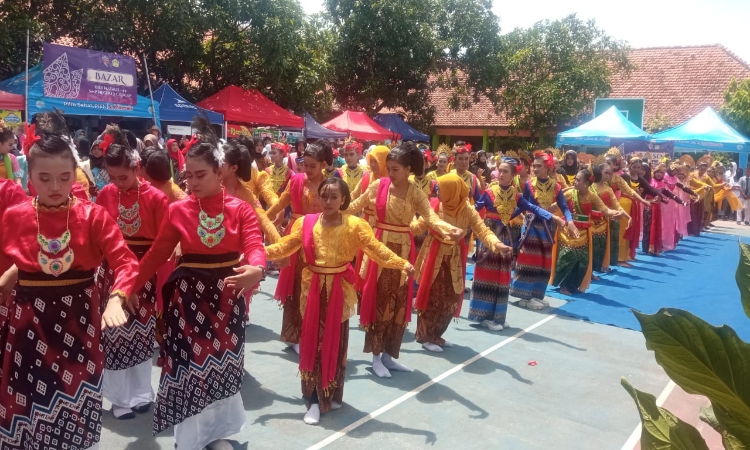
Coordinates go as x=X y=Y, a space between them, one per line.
x=660 y=122
x=556 y=71
x=736 y=107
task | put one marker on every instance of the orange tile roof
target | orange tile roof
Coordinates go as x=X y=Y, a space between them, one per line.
x=678 y=82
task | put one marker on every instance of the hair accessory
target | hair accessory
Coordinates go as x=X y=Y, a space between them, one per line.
x=353 y=145
x=31 y=137
x=107 y=140
x=548 y=159
x=466 y=148
x=591 y=178
x=281 y=146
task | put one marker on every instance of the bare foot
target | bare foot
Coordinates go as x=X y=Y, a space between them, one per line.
x=564 y=290
x=595 y=278
x=625 y=264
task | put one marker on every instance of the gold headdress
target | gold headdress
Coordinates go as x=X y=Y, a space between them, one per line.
x=584 y=158
x=687 y=160
x=615 y=152
x=512 y=154
x=597 y=160
x=556 y=152
x=524 y=156
x=705 y=159
x=443 y=149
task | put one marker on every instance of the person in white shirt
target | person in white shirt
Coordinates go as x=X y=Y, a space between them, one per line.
x=744 y=196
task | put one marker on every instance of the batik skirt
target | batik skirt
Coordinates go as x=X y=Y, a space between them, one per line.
x=204 y=342
x=50 y=392
x=489 y=293
x=534 y=263
x=441 y=309
x=599 y=238
x=574 y=262
x=614 y=242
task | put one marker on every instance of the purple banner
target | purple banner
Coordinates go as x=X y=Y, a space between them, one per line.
x=80 y=74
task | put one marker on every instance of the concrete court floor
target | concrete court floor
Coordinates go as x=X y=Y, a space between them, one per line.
x=483 y=393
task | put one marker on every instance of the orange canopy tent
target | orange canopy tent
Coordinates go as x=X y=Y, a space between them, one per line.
x=13 y=102
x=250 y=107
x=359 y=125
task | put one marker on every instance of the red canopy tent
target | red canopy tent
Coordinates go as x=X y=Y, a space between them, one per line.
x=250 y=107
x=360 y=126
x=13 y=102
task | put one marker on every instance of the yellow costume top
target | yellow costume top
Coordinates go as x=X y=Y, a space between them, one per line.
x=425 y=183
x=269 y=229
x=336 y=247
x=353 y=177
x=172 y=191
x=310 y=202
x=399 y=214
x=467 y=218
x=83 y=180
x=622 y=185
x=277 y=176
x=260 y=187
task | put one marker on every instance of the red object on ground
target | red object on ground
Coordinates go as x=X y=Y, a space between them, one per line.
x=359 y=125
x=532 y=363
x=250 y=107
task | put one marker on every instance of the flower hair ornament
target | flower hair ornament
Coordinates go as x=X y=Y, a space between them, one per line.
x=353 y=145
x=466 y=148
x=31 y=137
x=281 y=146
x=549 y=160
x=107 y=140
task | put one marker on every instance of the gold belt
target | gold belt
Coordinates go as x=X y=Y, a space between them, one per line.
x=323 y=270
x=220 y=265
x=394 y=228
x=369 y=212
x=53 y=283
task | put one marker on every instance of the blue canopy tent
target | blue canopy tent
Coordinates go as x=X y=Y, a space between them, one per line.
x=706 y=131
x=612 y=124
x=39 y=103
x=395 y=123
x=174 y=108
x=314 y=130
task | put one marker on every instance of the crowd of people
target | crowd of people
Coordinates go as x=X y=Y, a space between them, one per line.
x=148 y=244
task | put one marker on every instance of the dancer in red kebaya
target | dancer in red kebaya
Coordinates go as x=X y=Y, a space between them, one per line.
x=51 y=378
x=138 y=208
x=199 y=390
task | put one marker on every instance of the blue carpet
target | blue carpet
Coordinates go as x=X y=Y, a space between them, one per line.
x=698 y=276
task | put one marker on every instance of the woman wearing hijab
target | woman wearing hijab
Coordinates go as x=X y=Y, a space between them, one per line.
x=481 y=163
x=569 y=169
x=441 y=264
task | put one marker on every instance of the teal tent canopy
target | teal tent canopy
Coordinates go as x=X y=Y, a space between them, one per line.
x=706 y=131
x=612 y=124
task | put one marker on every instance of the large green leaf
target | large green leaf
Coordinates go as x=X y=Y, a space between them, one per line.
x=742 y=276
x=730 y=442
x=705 y=360
x=662 y=430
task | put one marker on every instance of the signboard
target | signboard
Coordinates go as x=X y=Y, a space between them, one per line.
x=11 y=118
x=87 y=75
x=181 y=130
x=234 y=131
x=632 y=108
x=267 y=132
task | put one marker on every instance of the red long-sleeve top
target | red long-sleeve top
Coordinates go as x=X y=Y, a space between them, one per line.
x=180 y=225
x=94 y=236
x=153 y=206
x=10 y=194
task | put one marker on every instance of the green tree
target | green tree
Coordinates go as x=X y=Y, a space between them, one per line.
x=393 y=53
x=15 y=18
x=736 y=107
x=556 y=71
x=660 y=122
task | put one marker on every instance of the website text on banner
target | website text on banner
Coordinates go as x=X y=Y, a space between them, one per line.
x=87 y=75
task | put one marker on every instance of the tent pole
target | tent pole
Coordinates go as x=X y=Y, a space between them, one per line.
x=26 y=97
x=226 y=131
x=150 y=93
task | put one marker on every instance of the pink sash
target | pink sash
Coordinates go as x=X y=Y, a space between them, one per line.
x=285 y=285
x=368 y=311
x=329 y=349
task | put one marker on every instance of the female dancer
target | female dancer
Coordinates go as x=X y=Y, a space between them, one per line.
x=386 y=295
x=442 y=263
x=630 y=235
x=652 y=218
x=52 y=361
x=9 y=168
x=535 y=258
x=302 y=194
x=279 y=174
x=328 y=242
x=352 y=172
x=489 y=293
x=667 y=184
x=605 y=232
x=573 y=262
x=138 y=208
x=199 y=390
x=94 y=169
x=441 y=167
x=519 y=181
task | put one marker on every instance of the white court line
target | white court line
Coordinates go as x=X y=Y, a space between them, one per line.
x=343 y=432
x=635 y=436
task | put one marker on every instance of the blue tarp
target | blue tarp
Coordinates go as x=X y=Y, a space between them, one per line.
x=706 y=131
x=39 y=103
x=612 y=124
x=314 y=130
x=395 y=123
x=174 y=108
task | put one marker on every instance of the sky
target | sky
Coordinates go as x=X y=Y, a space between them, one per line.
x=642 y=23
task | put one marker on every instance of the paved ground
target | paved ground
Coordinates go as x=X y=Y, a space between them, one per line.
x=548 y=382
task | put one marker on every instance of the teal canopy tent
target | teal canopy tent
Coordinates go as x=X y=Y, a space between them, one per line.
x=612 y=124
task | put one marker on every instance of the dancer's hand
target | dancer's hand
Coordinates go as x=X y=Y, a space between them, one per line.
x=177 y=253
x=503 y=249
x=573 y=231
x=7 y=282
x=456 y=234
x=114 y=315
x=247 y=277
x=133 y=303
x=409 y=269
x=559 y=221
